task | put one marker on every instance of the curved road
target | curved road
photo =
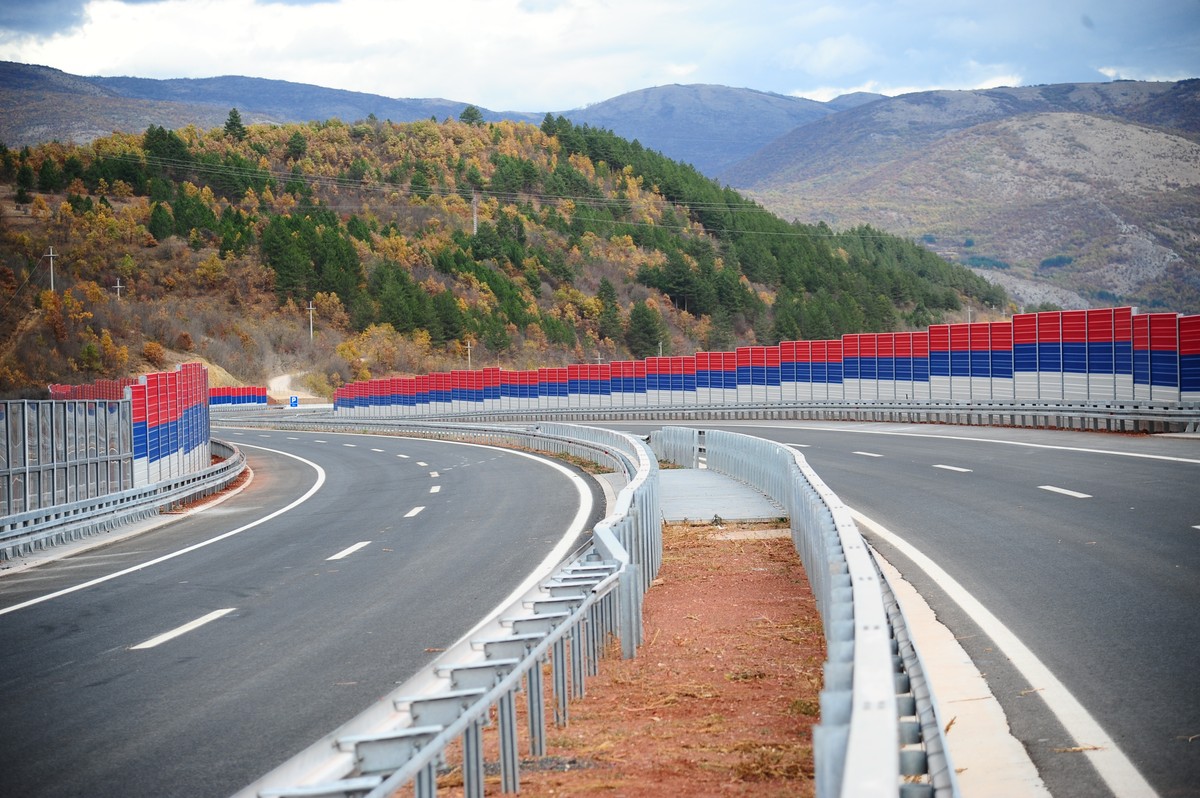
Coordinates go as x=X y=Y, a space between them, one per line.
x=1086 y=546
x=198 y=656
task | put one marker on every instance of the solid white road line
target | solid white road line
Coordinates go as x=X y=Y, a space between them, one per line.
x=413 y=512
x=186 y=549
x=182 y=630
x=1002 y=442
x=1108 y=759
x=1065 y=492
x=952 y=468
x=346 y=552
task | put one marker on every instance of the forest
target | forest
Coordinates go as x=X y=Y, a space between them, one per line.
x=408 y=248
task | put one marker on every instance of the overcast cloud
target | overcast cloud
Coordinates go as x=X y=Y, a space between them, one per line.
x=555 y=55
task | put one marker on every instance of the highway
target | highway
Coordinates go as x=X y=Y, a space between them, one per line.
x=1086 y=546
x=189 y=660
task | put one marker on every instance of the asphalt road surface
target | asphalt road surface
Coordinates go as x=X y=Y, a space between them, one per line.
x=189 y=660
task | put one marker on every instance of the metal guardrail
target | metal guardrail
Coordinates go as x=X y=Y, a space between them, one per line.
x=879 y=734
x=569 y=618
x=23 y=533
x=1130 y=416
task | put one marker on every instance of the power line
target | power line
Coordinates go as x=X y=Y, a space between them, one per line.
x=621 y=204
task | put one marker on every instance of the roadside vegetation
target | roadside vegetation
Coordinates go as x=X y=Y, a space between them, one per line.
x=414 y=247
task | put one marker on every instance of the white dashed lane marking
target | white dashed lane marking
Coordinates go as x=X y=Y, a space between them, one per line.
x=182 y=630
x=346 y=552
x=1072 y=493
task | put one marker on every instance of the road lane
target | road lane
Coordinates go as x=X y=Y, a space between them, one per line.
x=309 y=642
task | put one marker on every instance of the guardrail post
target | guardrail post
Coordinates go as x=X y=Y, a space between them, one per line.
x=535 y=694
x=472 y=762
x=510 y=777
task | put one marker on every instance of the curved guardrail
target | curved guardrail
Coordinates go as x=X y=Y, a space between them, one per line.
x=878 y=734
x=569 y=618
x=1089 y=416
x=22 y=533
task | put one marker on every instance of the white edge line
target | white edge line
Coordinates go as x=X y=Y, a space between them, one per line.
x=1110 y=762
x=182 y=630
x=187 y=549
x=1029 y=444
x=1072 y=493
x=346 y=552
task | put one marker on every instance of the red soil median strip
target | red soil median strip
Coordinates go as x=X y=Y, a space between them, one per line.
x=723 y=695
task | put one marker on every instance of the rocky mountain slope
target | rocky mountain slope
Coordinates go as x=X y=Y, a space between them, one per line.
x=710 y=127
x=1073 y=194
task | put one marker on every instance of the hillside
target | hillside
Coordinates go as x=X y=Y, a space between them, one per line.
x=709 y=127
x=417 y=246
x=42 y=104
x=1075 y=194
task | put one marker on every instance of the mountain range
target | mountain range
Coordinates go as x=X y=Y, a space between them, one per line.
x=1068 y=194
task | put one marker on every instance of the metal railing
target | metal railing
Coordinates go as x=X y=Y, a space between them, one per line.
x=878 y=736
x=23 y=533
x=568 y=619
x=1123 y=416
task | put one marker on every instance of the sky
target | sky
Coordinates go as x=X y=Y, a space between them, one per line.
x=559 y=55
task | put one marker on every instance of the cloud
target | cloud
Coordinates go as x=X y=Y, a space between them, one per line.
x=41 y=18
x=835 y=55
x=47 y=17
x=538 y=55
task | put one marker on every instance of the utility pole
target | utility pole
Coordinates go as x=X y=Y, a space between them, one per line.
x=474 y=213
x=51 y=256
x=468 y=354
x=118 y=287
x=310 y=319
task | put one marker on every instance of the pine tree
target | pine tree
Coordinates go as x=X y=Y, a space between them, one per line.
x=646 y=331
x=609 y=323
x=234 y=127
